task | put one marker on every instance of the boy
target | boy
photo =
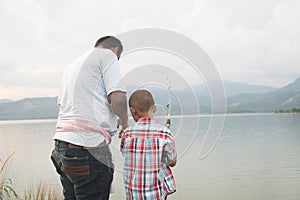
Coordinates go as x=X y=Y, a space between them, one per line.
x=149 y=151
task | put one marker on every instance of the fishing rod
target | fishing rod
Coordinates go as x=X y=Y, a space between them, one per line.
x=169 y=105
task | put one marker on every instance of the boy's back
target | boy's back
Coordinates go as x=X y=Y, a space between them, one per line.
x=148 y=147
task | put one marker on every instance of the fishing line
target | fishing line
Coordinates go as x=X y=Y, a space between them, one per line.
x=169 y=105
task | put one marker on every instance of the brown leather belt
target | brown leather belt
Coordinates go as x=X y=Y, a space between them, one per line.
x=73 y=146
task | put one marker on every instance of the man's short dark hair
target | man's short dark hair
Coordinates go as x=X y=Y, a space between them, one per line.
x=110 y=42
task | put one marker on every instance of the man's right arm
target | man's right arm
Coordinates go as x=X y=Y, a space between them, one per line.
x=119 y=105
x=116 y=92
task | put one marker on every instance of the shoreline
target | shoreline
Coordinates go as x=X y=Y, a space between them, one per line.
x=43 y=120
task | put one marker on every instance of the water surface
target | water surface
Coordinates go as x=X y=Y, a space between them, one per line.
x=256 y=157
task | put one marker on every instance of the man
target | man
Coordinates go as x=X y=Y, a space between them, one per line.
x=91 y=99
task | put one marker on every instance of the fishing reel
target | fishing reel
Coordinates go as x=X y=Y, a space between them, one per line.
x=168 y=123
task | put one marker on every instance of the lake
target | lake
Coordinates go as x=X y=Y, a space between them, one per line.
x=257 y=156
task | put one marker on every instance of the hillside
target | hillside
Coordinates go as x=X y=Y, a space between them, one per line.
x=240 y=98
x=29 y=108
x=235 y=88
x=284 y=98
x=5 y=101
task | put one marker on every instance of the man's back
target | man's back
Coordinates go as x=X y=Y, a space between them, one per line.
x=84 y=95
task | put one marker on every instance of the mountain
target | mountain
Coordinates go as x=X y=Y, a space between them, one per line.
x=5 y=100
x=284 y=98
x=187 y=101
x=197 y=98
x=29 y=108
x=234 y=88
x=292 y=87
x=240 y=98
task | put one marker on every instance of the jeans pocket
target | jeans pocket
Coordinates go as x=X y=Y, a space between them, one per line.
x=77 y=169
x=55 y=161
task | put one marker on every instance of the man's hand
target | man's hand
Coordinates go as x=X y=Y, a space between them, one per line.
x=123 y=125
x=120 y=134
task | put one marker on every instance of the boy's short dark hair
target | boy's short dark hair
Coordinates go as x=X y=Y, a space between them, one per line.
x=110 y=42
x=141 y=100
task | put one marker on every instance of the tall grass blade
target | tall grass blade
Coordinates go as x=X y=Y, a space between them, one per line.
x=6 y=160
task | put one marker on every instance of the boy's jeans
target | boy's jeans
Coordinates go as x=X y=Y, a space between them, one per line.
x=84 y=174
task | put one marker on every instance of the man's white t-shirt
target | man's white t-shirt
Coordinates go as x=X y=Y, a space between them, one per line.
x=86 y=84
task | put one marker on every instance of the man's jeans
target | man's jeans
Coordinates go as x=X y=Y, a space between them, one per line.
x=85 y=174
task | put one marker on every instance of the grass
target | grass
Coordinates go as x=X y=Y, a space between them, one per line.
x=6 y=189
x=40 y=192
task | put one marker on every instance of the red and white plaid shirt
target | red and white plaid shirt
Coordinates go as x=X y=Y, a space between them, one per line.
x=146 y=147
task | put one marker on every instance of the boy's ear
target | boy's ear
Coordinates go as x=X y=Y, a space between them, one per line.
x=132 y=110
x=153 y=109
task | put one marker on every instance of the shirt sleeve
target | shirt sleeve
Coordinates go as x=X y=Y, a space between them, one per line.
x=170 y=150
x=111 y=73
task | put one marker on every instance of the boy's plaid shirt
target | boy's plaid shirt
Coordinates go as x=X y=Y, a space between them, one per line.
x=146 y=148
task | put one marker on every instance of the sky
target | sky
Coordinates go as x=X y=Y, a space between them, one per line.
x=250 y=41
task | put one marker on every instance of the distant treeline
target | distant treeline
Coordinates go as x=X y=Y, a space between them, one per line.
x=294 y=110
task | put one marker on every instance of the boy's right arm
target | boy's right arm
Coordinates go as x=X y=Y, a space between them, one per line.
x=171 y=154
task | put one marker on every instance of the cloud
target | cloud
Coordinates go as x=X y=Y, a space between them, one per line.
x=40 y=38
x=129 y=24
x=250 y=40
x=13 y=76
x=243 y=48
x=17 y=93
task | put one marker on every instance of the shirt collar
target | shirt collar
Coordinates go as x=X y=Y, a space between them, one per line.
x=145 y=119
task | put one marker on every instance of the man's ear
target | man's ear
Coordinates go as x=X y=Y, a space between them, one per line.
x=115 y=50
